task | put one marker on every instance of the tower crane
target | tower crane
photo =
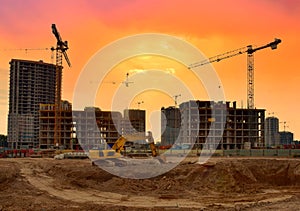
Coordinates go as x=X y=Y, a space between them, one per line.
x=26 y=50
x=250 y=65
x=139 y=103
x=284 y=125
x=61 y=48
x=127 y=82
x=175 y=99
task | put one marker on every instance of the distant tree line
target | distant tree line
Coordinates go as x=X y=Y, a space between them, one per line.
x=3 y=141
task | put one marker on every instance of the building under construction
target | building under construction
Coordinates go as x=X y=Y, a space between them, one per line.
x=95 y=127
x=134 y=121
x=87 y=129
x=47 y=124
x=286 y=138
x=31 y=83
x=272 y=136
x=217 y=125
x=170 y=125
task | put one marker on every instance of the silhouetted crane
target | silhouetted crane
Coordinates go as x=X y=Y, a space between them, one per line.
x=250 y=65
x=61 y=48
x=127 y=82
x=175 y=98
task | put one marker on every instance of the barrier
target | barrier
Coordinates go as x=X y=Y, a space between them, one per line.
x=236 y=152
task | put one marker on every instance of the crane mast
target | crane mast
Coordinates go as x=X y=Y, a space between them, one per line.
x=250 y=65
x=61 y=48
x=250 y=79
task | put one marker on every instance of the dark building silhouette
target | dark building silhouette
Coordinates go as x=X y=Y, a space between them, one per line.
x=286 y=138
x=170 y=125
x=272 y=136
x=134 y=121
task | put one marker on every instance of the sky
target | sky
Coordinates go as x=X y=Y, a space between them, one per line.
x=213 y=26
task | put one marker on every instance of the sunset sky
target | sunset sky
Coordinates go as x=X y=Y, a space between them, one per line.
x=213 y=26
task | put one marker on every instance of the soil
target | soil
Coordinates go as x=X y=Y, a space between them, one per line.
x=220 y=184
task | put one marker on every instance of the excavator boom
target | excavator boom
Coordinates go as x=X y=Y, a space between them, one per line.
x=119 y=144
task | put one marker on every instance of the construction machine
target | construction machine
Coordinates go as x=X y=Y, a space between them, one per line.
x=119 y=145
x=118 y=155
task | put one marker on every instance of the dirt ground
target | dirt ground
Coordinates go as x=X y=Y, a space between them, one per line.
x=224 y=184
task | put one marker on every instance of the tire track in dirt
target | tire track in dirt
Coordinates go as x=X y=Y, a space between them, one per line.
x=43 y=182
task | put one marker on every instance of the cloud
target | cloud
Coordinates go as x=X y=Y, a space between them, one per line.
x=170 y=70
x=136 y=70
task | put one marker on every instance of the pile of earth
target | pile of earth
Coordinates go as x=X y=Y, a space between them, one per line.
x=221 y=180
x=230 y=175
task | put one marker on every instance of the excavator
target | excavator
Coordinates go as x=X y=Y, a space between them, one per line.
x=119 y=145
x=118 y=152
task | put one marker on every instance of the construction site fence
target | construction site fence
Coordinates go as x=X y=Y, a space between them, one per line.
x=39 y=153
x=235 y=152
x=6 y=153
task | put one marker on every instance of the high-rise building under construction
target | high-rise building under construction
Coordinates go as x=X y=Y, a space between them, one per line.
x=31 y=83
x=170 y=125
x=213 y=125
x=272 y=136
x=47 y=123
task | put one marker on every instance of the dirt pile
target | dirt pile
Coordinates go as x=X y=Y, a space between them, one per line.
x=77 y=185
x=9 y=172
x=225 y=176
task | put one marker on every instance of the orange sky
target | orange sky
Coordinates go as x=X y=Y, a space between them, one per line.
x=213 y=26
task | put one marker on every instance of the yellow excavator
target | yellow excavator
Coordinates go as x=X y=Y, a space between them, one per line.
x=118 y=151
x=119 y=145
